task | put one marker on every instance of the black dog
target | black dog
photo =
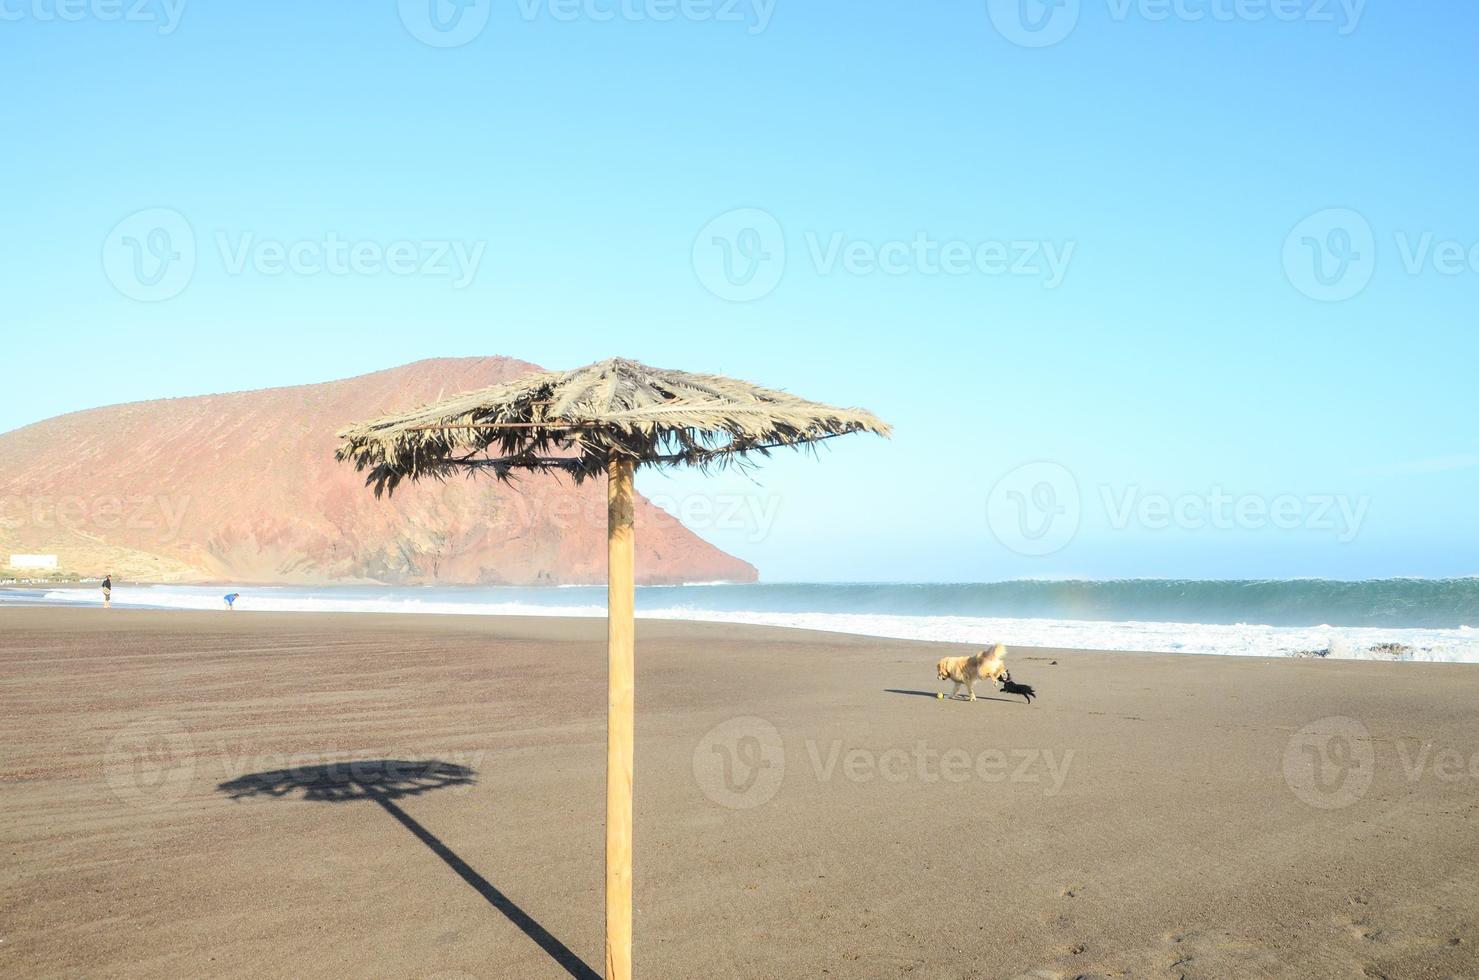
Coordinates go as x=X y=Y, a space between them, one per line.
x=1009 y=686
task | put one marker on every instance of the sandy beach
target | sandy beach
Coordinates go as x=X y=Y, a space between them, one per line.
x=251 y=795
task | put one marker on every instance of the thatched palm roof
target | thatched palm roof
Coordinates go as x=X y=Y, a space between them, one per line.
x=575 y=421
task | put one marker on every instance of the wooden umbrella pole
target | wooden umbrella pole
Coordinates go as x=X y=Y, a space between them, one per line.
x=621 y=704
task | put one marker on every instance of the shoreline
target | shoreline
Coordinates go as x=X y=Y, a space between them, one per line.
x=739 y=606
x=455 y=622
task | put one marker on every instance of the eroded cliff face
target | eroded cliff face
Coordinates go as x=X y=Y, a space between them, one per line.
x=245 y=488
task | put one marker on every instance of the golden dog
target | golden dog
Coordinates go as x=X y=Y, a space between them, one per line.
x=988 y=665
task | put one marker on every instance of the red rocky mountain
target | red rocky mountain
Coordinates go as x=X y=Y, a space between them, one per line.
x=245 y=488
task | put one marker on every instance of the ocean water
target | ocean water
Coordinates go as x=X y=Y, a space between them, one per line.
x=1428 y=619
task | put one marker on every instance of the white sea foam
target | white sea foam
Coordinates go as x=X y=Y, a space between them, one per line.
x=276 y=600
x=1459 y=645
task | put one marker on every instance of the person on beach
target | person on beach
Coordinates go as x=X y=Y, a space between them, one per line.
x=231 y=601
x=108 y=591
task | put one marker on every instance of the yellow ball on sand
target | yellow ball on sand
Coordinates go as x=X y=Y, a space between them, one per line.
x=939 y=696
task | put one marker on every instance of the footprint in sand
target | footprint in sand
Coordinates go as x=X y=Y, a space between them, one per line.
x=1388 y=953
x=1219 y=954
x=1055 y=919
x=1366 y=931
x=1049 y=973
x=1076 y=962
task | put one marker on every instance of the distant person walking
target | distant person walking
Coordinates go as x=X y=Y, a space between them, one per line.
x=108 y=591
x=231 y=601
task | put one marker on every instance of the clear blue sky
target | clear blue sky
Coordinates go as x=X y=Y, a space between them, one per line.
x=1182 y=353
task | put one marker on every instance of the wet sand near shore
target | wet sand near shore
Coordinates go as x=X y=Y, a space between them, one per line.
x=304 y=795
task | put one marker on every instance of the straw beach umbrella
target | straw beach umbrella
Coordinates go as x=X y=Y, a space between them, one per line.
x=608 y=418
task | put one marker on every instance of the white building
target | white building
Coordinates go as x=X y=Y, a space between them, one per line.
x=33 y=563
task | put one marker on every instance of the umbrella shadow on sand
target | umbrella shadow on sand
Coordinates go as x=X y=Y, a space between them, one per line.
x=384 y=781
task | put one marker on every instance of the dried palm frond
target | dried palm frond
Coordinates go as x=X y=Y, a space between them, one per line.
x=575 y=422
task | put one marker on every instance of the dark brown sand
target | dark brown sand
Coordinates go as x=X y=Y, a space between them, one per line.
x=805 y=806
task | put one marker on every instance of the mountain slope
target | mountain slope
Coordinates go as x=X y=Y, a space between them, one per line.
x=245 y=488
